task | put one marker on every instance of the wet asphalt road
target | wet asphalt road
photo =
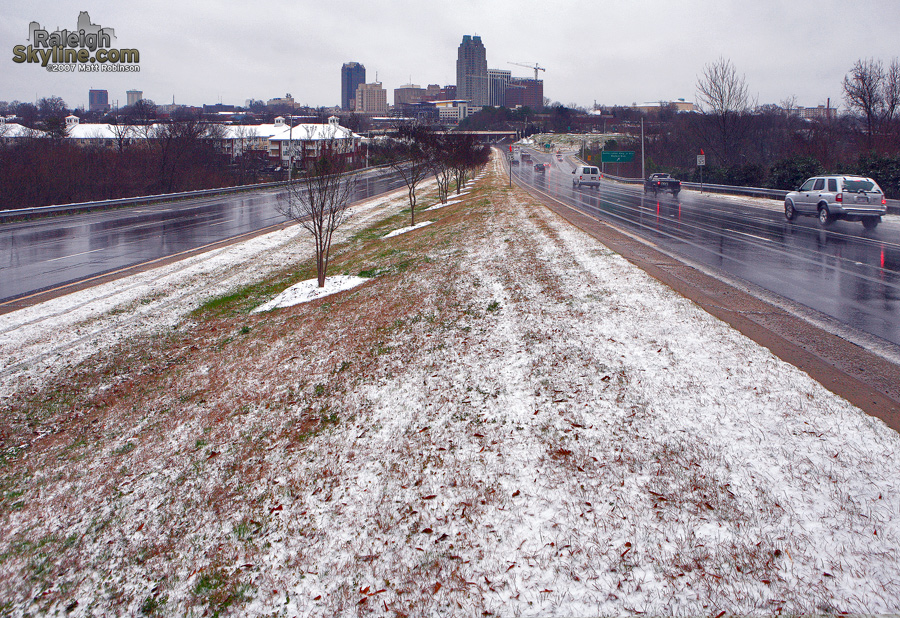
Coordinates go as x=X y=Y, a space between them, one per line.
x=843 y=271
x=47 y=253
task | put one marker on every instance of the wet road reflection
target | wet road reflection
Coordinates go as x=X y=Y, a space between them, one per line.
x=42 y=254
x=844 y=271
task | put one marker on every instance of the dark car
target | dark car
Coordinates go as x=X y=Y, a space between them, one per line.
x=662 y=182
x=539 y=167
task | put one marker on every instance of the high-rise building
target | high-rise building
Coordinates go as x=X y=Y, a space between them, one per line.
x=498 y=83
x=352 y=75
x=471 y=72
x=371 y=99
x=134 y=96
x=527 y=92
x=98 y=101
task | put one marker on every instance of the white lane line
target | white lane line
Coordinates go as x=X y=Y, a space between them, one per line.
x=65 y=257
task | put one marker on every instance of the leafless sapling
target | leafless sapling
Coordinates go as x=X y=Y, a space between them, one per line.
x=410 y=159
x=320 y=199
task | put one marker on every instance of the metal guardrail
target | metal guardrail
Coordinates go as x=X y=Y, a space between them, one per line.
x=24 y=213
x=126 y=201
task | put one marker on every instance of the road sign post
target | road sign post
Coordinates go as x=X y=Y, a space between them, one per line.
x=701 y=162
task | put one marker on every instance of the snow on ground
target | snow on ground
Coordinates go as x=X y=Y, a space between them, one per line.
x=309 y=290
x=518 y=423
x=66 y=330
x=408 y=228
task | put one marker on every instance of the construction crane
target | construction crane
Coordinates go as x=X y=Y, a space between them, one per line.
x=534 y=66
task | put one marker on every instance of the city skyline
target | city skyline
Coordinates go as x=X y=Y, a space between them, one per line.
x=616 y=54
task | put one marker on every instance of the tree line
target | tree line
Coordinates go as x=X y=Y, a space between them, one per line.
x=166 y=158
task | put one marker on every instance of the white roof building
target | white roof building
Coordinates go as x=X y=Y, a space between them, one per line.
x=305 y=140
x=13 y=130
x=279 y=140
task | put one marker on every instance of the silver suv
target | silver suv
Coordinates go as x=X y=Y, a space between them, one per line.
x=853 y=198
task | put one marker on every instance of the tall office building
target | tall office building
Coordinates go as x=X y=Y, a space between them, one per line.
x=98 y=101
x=371 y=99
x=498 y=83
x=134 y=96
x=352 y=75
x=471 y=72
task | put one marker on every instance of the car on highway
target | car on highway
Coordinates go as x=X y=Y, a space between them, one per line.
x=662 y=182
x=852 y=198
x=539 y=167
x=586 y=175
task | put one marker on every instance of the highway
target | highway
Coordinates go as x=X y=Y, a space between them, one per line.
x=843 y=272
x=46 y=253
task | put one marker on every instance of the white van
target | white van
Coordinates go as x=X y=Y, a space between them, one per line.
x=586 y=175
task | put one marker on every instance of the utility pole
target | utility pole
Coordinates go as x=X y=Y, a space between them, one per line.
x=291 y=148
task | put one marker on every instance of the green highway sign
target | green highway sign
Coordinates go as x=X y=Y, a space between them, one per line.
x=617 y=156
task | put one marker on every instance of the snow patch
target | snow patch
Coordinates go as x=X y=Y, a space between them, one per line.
x=410 y=228
x=308 y=290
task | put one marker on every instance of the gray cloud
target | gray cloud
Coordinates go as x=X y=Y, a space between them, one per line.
x=612 y=51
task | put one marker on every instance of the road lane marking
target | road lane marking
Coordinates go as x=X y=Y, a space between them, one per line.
x=65 y=257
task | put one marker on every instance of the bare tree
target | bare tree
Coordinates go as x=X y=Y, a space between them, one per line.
x=440 y=161
x=319 y=200
x=874 y=93
x=723 y=96
x=242 y=137
x=123 y=135
x=410 y=158
x=465 y=156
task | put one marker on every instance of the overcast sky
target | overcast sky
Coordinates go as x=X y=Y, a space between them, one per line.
x=609 y=51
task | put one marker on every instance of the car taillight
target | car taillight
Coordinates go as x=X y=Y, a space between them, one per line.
x=883 y=201
x=839 y=197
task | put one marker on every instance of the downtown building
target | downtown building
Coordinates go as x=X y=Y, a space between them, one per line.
x=525 y=93
x=498 y=84
x=134 y=96
x=371 y=99
x=472 y=82
x=98 y=101
x=352 y=75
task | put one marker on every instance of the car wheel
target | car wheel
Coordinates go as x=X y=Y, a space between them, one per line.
x=870 y=223
x=789 y=213
x=825 y=217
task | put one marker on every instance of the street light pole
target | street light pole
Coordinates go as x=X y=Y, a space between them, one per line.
x=291 y=148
